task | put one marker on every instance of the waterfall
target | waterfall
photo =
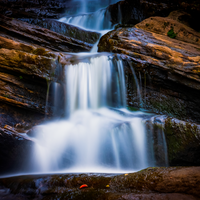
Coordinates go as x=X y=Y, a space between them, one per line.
x=98 y=133
x=92 y=130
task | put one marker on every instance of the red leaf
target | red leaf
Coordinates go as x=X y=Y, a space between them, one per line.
x=83 y=186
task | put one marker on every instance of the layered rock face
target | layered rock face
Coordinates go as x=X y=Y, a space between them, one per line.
x=168 y=69
x=26 y=72
x=162 y=62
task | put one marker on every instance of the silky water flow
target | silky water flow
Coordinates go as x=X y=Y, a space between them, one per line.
x=96 y=133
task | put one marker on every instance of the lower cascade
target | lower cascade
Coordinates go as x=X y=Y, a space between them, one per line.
x=96 y=132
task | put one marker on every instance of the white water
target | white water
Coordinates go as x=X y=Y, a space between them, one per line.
x=97 y=133
x=98 y=20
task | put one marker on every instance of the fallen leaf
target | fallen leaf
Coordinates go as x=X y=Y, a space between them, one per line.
x=83 y=186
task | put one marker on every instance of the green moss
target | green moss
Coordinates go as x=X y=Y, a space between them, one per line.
x=180 y=136
x=169 y=106
x=171 y=33
x=20 y=77
x=132 y=108
x=6 y=95
x=147 y=24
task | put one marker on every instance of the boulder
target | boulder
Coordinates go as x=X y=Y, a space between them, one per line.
x=167 y=70
x=152 y=183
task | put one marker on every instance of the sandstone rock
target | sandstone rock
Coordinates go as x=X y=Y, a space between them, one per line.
x=168 y=71
x=162 y=26
x=25 y=70
x=41 y=36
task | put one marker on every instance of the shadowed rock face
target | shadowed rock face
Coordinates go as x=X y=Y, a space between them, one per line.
x=133 y=12
x=15 y=151
x=182 y=139
x=149 y=184
x=34 y=9
x=65 y=29
x=168 y=70
x=41 y=36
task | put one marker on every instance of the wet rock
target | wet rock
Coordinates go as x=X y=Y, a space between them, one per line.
x=15 y=151
x=148 y=184
x=65 y=29
x=41 y=36
x=164 y=180
x=167 y=70
x=182 y=140
x=24 y=71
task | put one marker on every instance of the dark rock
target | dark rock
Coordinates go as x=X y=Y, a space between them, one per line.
x=149 y=184
x=182 y=140
x=15 y=151
x=41 y=36
x=65 y=29
x=133 y=12
x=34 y=9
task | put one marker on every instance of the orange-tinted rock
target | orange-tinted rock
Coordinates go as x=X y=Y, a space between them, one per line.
x=169 y=70
x=162 y=26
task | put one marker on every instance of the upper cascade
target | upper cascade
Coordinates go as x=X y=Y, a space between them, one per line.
x=91 y=15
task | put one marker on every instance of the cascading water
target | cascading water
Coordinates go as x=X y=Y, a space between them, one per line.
x=97 y=133
x=98 y=20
